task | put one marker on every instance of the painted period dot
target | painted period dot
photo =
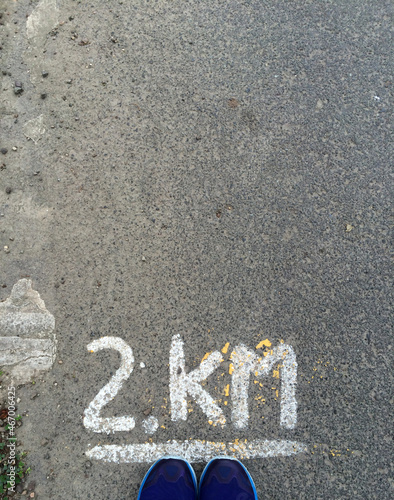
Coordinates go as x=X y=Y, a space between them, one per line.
x=150 y=425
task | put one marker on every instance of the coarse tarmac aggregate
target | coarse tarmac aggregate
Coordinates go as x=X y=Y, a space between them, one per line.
x=218 y=170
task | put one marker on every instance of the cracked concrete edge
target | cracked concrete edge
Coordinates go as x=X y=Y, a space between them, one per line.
x=27 y=338
x=25 y=358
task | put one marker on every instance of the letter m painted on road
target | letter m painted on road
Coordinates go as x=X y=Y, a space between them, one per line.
x=246 y=363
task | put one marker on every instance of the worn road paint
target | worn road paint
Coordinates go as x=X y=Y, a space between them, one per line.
x=34 y=129
x=42 y=20
x=245 y=363
x=92 y=419
x=27 y=338
x=182 y=384
x=194 y=451
x=150 y=425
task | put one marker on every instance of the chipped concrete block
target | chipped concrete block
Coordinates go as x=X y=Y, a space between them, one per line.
x=27 y=338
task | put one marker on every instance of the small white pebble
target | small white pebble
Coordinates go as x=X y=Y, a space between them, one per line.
x=142 y=365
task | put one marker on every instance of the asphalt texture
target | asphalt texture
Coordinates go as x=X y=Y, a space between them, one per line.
x=218 y=170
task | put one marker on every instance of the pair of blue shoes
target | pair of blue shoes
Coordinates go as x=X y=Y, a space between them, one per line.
x=174 y=479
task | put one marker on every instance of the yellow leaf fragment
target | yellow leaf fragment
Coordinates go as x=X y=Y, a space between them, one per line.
x=265 y=343
x=206 y=356
x=225 y=348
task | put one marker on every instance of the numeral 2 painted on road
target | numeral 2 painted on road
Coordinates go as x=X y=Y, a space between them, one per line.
x=92 y=419
x=182 y=384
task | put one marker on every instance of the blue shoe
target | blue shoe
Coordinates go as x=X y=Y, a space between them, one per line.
x=169 y=479
x=226 y=479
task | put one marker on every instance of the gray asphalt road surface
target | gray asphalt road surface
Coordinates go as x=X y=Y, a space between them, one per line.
x=208 y=185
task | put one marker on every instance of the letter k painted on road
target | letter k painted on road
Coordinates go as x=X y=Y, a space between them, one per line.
x=182 y=384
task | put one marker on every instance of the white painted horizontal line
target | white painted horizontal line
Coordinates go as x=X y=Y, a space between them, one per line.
x=194 y=451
